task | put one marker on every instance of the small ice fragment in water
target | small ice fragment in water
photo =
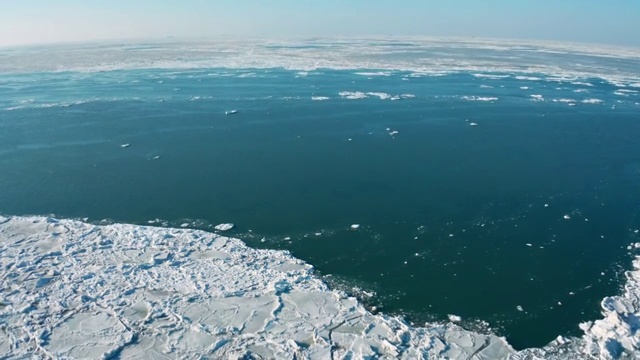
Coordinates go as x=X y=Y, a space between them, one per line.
x=451 y=235
x=184 y=225
x=287 y=238
x=473 y=124
x=546 y=205
x=125 y=145
x=571 y=293
x=355 y=226
x=156 y=157
x=529 y=245
x=567 y=217
x=559 y=303
x=350 y=139
x=318 y=234
x=224 y=227
x=454 y=318
x=637 y=245
x=519 y=308
x=231 y=112
x=394 y=132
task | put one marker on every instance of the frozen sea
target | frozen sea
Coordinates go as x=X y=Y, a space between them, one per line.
x=495 y=184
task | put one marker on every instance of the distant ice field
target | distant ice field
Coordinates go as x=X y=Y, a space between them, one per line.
x=488 y=185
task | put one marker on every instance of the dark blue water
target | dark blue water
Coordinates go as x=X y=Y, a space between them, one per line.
x=455 y=219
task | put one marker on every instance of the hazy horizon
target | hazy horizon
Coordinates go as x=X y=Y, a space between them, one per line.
x=40 y=22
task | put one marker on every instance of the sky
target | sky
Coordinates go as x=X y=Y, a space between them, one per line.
x=614 y=22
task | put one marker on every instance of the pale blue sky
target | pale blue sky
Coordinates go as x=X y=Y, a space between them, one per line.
x=45 y=21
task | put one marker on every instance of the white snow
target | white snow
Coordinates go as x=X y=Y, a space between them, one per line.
x=454 y=318
x=224 y=227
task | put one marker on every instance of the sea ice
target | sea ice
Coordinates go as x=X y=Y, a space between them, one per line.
x=355 y=226
x=479 y=98
x=224 y=227
x=125 y=145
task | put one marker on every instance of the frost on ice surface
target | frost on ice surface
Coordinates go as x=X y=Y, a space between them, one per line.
x=73 y=290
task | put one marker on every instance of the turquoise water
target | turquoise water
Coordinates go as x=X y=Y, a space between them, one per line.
x=455 y=219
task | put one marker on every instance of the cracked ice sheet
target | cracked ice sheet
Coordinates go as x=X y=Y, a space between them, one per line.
x=75 y=290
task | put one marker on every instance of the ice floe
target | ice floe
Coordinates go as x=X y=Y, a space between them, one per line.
x=352 y=95
x=357 y=95
x=224 y=227
x=319 y=98
x=479 y=98
x=537 y=97
x=592 y=101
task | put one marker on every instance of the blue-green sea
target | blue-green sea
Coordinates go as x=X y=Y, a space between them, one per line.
x=473 y=197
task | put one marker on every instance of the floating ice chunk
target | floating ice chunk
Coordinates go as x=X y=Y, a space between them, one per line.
x=567 y=217
x=529 y=244
x=394 y=132
x=479 y=98
x=473 y=124
x=546 y=205
x=125 y=145
x=224 y=227
x=371 y=73
x=319 y=98
x=454 y=318
x=529 y=78
x=519 y=308
x=355 y=226
x=231 y=112
x=155 y=157
x=537 y=97
x=592 y=101
x=352 y=95
x=381 y=95
x=524 y=87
